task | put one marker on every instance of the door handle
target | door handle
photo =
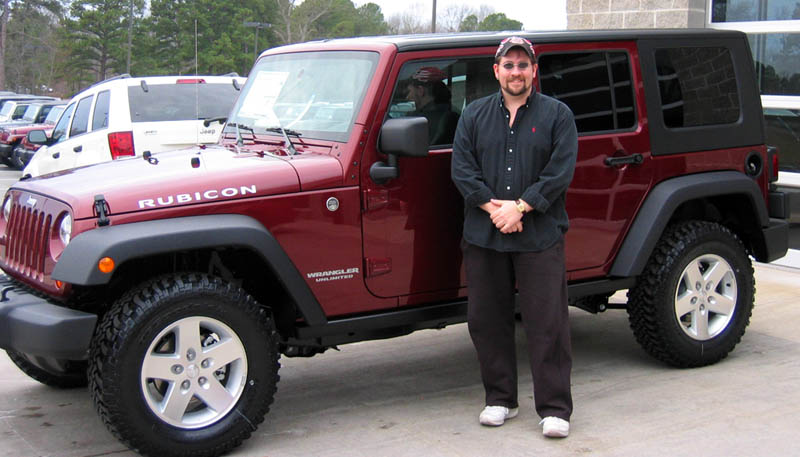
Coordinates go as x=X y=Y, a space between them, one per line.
x=78 y=148
x=635 y=159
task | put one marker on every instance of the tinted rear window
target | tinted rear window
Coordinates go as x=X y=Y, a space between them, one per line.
x=180 y=102
x=697 y=86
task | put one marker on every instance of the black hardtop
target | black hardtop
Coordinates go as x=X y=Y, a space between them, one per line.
x=421 y=42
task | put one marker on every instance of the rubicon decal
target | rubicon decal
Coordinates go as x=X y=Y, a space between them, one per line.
x=211 y=194
x=333 y=275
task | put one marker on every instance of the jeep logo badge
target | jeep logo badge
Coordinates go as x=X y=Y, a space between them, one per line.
x=31 y=202
x=332 y=204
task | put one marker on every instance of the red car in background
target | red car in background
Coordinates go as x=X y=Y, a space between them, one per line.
x=15 y=150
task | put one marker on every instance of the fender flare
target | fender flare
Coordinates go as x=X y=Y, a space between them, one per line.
x=664 y=199
x=78 y=262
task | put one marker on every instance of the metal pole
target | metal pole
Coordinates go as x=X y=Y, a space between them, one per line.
x=255 y=46
x=433 y=18
x=130 y=35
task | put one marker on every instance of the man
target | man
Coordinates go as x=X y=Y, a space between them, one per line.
x=431 y=99
x=513 y=158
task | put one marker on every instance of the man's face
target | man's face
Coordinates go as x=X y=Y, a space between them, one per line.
x=414 y=94
x=515 y=81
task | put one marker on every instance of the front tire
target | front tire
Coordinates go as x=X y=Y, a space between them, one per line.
x=694 y=299
x=184 y=365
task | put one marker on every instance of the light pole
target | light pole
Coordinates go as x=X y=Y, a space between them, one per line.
x=257 y=25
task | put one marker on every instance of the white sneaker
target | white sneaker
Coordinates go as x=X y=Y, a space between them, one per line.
x=496 y=415
x=554 y=427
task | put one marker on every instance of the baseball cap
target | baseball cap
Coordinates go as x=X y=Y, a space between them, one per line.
x=429 y=75
x=512 y=42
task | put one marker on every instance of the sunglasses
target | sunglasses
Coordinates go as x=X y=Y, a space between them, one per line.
x=522 y=66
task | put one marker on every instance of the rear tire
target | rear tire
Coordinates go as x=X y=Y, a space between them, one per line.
x=185 y=364
x=693 y=301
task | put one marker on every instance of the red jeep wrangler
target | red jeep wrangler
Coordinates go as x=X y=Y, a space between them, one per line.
x=173 y=282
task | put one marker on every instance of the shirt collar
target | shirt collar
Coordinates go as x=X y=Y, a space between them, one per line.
x=528 y=101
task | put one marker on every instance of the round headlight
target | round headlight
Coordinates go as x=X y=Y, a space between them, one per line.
x=7 y=208
x=65 y=229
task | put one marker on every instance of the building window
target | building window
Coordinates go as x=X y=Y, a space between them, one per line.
x=754 y=10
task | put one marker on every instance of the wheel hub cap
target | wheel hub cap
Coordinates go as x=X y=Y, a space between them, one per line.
x=194 y=372
x=705 y=298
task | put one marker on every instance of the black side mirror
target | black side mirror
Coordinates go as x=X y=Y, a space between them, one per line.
x=408 y=137
x=38 y=137
x=405 y=136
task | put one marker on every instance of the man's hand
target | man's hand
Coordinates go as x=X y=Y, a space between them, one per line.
x=505 y=215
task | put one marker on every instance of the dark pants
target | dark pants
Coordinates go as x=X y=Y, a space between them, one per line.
x=541 y=280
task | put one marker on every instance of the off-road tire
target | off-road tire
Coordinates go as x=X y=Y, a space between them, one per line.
x=122 y=346
x=653 y=301
x=71 y=373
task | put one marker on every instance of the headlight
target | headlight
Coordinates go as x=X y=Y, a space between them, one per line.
x=65 y=229
x=7 y=208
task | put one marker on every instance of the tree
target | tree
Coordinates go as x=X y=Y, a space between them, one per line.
x=95 y=38
x=492 y=22
x=33 y=40
x=499 y=21
x=370 y=21
x=224 y=43
x=19 y=11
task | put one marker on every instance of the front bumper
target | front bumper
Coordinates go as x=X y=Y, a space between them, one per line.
x=34 y=326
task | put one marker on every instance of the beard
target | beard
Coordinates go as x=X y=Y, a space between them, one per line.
x=516 y=92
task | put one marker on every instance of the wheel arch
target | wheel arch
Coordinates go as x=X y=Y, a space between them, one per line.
x=728 y=197
x=149 y=244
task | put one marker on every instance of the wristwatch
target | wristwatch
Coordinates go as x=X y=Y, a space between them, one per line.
x=520 y=206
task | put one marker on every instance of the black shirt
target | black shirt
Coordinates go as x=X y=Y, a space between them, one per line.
x=534 y=160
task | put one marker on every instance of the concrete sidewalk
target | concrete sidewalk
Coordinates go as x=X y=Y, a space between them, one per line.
x=420 y=395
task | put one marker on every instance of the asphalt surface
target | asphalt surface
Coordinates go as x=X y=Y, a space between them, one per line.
x=421 y=394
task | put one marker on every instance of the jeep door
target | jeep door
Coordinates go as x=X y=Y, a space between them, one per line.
x=601 y=84
x=412 y=224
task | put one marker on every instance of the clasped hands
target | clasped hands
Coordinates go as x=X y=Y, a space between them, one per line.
x=504 y=214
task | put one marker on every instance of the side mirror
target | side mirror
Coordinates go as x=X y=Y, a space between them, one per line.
x=405 y=136
x=38 y=137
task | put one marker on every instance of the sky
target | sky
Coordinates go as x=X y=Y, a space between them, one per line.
x=534 y=14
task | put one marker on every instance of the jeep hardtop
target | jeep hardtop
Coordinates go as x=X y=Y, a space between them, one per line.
x=173 y=282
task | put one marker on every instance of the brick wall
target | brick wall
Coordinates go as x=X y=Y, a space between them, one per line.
x=635 y=14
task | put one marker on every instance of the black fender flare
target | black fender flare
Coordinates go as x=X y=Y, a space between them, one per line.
x=78 y=262
x=665 y=198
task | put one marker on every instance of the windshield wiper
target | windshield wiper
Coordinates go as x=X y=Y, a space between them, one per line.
x=288 y=131
x=239 y=141
x=211 y=120
x=286 y=134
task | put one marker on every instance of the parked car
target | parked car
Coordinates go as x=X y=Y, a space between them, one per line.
x=13 y=110
x=36 y=112
x=13 y=135
x=22 y=97
x=125 y=116
x=172 y=283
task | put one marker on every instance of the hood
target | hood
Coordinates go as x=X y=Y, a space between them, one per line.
x=184 y=177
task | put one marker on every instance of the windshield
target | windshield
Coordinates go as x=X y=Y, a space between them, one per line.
x=7 y=108
x=53 y=115
x=30 y=113
x=316 y=94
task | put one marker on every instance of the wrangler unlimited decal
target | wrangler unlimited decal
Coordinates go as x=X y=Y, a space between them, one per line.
x=211 y=194
x=333 y=275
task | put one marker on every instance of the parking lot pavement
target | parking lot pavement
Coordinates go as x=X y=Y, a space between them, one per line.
x=8 y=177
x=421 y=394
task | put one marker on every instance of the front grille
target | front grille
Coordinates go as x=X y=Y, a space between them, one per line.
x=27 y=241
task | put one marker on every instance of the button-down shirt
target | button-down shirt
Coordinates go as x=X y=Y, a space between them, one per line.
x=532 y=160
